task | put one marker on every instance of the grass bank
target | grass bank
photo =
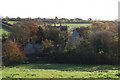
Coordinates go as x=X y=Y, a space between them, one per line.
x=60 y=71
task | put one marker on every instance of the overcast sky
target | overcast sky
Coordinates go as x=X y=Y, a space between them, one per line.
x=96 y=9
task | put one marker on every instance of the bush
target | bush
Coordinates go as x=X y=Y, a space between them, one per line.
x=24 y=32
x=12 y=52
x=48 y=46
x=58 y=37
x=97 y=47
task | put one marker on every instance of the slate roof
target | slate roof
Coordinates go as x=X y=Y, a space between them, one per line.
x=62 y=28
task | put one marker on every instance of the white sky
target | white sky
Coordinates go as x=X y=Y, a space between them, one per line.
x=96 y=9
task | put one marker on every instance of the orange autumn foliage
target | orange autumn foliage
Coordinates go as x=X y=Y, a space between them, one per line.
x=13 y=53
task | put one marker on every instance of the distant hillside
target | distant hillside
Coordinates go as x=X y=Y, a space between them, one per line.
x=5 y=28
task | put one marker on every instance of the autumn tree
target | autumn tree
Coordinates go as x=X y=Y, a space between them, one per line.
x=12 y=52
x=25 y=31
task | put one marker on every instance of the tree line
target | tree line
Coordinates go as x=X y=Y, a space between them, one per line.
x=98 y=46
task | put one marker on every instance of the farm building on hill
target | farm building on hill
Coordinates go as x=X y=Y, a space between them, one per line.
x=78 y=35
x=62 y=28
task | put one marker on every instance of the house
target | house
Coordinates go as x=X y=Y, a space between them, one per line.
x=74 y=40
x=78 y=35
x=62 y=28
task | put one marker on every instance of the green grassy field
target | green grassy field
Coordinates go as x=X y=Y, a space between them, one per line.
x=3 y=31
x=12 y=22
x=60 y=71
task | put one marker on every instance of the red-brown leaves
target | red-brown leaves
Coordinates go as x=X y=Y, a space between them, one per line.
x=12 y=52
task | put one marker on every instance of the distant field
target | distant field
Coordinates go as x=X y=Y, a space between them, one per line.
x=3 y=31
x=60 y=71
x=12 y=22
x=73 y=26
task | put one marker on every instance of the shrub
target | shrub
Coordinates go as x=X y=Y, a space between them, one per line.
x=99 y=46
x=58 y=37
x=24 y=32
x=48 y=45
x=12 y=52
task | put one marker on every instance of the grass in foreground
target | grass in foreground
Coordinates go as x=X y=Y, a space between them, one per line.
x=60 y=71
